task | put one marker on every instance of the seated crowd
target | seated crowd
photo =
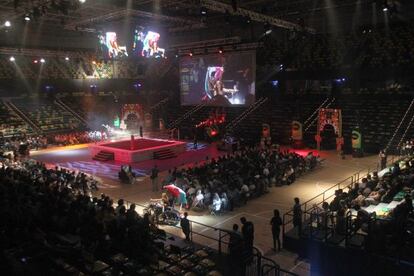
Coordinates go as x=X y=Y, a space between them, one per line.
x=396 y=185
x=51 y=225
x=35 y=142
x=233 y=179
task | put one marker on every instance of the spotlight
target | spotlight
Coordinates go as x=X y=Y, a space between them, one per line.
x=93 y=62
x=203 y=11
x=67 y=58
x=7 y=24
x=220 y=50
x=82 y=1
x=35 y=61
x=385 y=9
x=12 y=59
x=191 y=53
x=26 y=17
x=42 y=60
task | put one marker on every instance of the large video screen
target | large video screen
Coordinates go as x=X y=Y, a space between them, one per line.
x=141 y=42
x=146 y=43
x=110 y=45
x=220 y=80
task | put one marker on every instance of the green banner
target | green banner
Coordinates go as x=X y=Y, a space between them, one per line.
x=356 y=139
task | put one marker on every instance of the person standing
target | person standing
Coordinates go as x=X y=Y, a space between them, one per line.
x=154 y=178
x=297 y=216
x=383 y=159
x=276 y=222
x=185 y=226
x=235 y=248
x=141 y=132
x=248 y=234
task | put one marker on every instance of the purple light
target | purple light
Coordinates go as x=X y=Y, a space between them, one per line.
x=275 y=82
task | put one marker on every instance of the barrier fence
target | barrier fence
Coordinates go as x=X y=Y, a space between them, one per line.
x=218 y=239
x=345 y=185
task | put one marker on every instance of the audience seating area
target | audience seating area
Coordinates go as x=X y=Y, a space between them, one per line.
x=50 y=226
x=364 y=48
x=10 y=123
x=373 y=214
x=47 y=115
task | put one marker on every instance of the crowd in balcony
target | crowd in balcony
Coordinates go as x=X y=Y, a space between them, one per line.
x=366 y=47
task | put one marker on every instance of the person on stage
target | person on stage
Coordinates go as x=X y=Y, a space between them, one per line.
x=141 y=132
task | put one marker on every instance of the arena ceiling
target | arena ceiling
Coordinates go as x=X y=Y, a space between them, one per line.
x=188 y=15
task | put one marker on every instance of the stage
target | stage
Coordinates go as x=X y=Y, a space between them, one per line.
x=139 y=150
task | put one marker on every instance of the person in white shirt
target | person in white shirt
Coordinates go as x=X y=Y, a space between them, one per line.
x=198 y=200
x=216 y=206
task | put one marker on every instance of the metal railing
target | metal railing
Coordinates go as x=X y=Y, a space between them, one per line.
x=345 y=185
x=186 y=115
x=255 y=265
x=23 y=116
x=316 y=118
x=246 y=113
x=315 y=112
x=63 y=105
x=399 y=125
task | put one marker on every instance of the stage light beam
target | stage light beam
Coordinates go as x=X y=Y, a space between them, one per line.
x=7 y=24
x=12 y=59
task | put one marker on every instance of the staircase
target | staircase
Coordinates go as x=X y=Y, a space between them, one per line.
x=313 y=118
x=193 y=110
x=398 y=135
x=158 y=105
x=64 y=106
x=245 y=114
x=164 y=154
x=104 y=156
x=23 y=116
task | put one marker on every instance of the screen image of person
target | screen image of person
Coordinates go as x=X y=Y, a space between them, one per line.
x=114 y=50
x=146 y=44
x=218 y=80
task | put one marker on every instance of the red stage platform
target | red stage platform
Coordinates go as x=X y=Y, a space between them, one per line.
x=143 y=149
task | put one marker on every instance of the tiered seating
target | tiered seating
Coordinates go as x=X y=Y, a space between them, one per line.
x=10 y=123
x=377 y=117
x=47 y=115
x=372 y=217
x=367 y=48
x=54 y=228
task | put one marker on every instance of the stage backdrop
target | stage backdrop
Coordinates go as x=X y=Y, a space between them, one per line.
x=221 y=80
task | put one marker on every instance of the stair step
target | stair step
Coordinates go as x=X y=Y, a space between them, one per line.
x=104 y=156
x=164 y=154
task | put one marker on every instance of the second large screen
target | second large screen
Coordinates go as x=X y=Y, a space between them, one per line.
x=220 y=80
